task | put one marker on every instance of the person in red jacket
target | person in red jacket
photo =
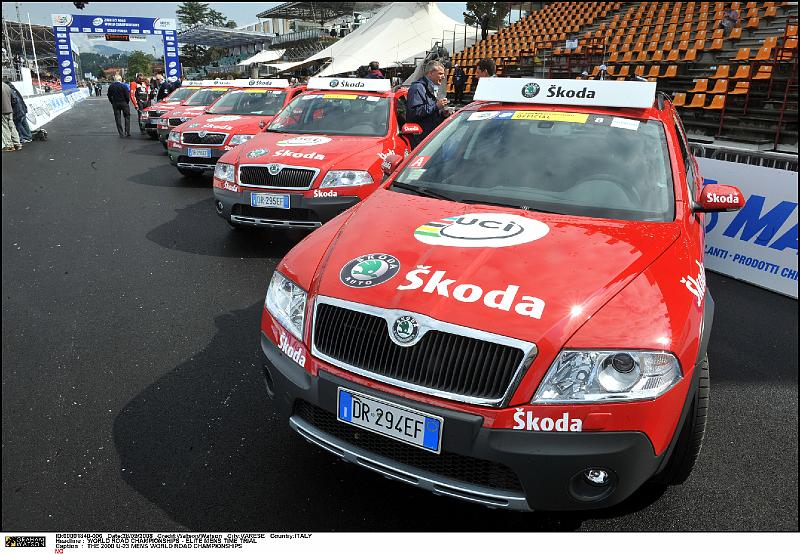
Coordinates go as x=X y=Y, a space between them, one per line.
x=140 y=97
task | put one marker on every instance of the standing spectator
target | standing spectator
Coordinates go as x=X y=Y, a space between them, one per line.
x=374 y=71
x=165 y=88
x=98 y=88
x=20 y=110
x=484 y=26
x=11 y=140
x=140 y=98
x=729 y=20
x=486 y=68
x=423 y=107
x=459 y=83
x=119 y=96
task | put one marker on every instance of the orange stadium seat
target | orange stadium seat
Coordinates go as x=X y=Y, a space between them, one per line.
x=742 y=73
x=742 y=87
x=690 y=56
x=743 y=54
x=717 y=103
x=679 y=99
x=720 y=87
x=698 y=101
x=716 y=44
x=763 y=54
x=701 y=85
x=736 y=34
x=722 y=72
x=764 y=72
x=672 y=71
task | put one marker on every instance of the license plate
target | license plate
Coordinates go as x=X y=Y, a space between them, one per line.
x=265 y=200
x=154 y=120
x=391 y=420
x=199 y=152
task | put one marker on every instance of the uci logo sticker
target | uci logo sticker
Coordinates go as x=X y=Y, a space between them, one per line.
x=405 y=330
x=258 y=152
x=530 y=90
x=369 y=270
x=492 y=230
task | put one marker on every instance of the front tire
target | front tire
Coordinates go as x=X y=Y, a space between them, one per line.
x=690 y=440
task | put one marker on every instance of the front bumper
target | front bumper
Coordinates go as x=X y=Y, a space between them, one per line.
x=518 y=470
x=304 y=212
x=180 y=157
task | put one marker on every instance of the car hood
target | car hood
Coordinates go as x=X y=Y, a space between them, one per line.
x=235 y=124
x=527 y=275
x=313 y=150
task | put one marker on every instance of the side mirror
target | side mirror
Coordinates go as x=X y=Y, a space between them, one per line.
x=411 y=129
x=262 y=124
x=719 y=198
x=391 y=163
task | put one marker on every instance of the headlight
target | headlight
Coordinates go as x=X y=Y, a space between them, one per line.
x=346 y=178
x=287 y=303
x=583 y=376
x=174 y=136
x=161 y=121
x=225 y=172
x=239 y=139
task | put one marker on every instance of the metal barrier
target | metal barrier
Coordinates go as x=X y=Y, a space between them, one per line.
x=775 y=160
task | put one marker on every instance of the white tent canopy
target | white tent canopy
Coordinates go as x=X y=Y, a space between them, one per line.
x=263 y=56
x=401 y=31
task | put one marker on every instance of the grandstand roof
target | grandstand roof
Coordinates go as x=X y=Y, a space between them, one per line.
x=20 y=32
x=318 y=11
x=208 y=35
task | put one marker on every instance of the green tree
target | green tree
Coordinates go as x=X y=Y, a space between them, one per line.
x=486 y=15
x=139 y=62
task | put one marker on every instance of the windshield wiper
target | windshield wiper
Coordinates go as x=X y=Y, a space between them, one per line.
x=509 y=205
x=423 y=191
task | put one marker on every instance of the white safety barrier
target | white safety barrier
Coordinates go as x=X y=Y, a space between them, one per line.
x=757 y=244
x=46 y=107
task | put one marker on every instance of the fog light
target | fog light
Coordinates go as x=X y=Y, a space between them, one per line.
x=596 y=477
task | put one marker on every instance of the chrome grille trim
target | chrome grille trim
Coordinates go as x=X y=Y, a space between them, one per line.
x=427 y=323
x=316 y=171
x=215 y=134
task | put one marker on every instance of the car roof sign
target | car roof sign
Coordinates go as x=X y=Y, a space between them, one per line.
x=344 y=83
x=278 y=83
x=569 y=92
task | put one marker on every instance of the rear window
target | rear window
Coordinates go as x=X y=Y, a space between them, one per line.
x=580 y=164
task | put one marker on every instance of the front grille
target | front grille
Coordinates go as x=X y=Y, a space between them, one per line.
x=200 y=161
x=440 y=361
x=175 y=121
x=287 y=178
x=276 y=214
x=210 y=138
x=155 y=113
x=447 y=464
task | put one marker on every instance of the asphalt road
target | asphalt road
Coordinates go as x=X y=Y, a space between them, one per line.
x=131 y=395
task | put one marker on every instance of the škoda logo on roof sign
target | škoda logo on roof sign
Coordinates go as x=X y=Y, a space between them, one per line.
x=570 y=92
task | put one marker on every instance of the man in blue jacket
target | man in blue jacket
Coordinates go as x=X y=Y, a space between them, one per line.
x=423 y=107
x=119 y=96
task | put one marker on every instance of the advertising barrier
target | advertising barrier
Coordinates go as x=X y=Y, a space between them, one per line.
x=757 y=244
x=43 y=109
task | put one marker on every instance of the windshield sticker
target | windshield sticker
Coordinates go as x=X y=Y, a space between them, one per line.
x=310 y=140
x=369 y=270
x=219 y=89
x=623 y=123
x=372 y=98
x=339 y=96
x=310 y=96
x=601 y=119
x=255 y=91
x=501 y=299
x=490 y=230
x=482 y=116
x=551 y=116
x=415 y=174
x=224 y=118
x=505 y=115
x=419 y=161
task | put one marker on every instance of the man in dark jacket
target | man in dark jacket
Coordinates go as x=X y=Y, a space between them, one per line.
x=374 y=71
x=119 y=96
x=459 y=83
x=20 y=110
x=165 y=88
x=423 y=107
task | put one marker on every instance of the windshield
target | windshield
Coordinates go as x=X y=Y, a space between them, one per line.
x=181 y=94
x=561 y=162
x=205 y=96
x=335 y=114
x=250 y=102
